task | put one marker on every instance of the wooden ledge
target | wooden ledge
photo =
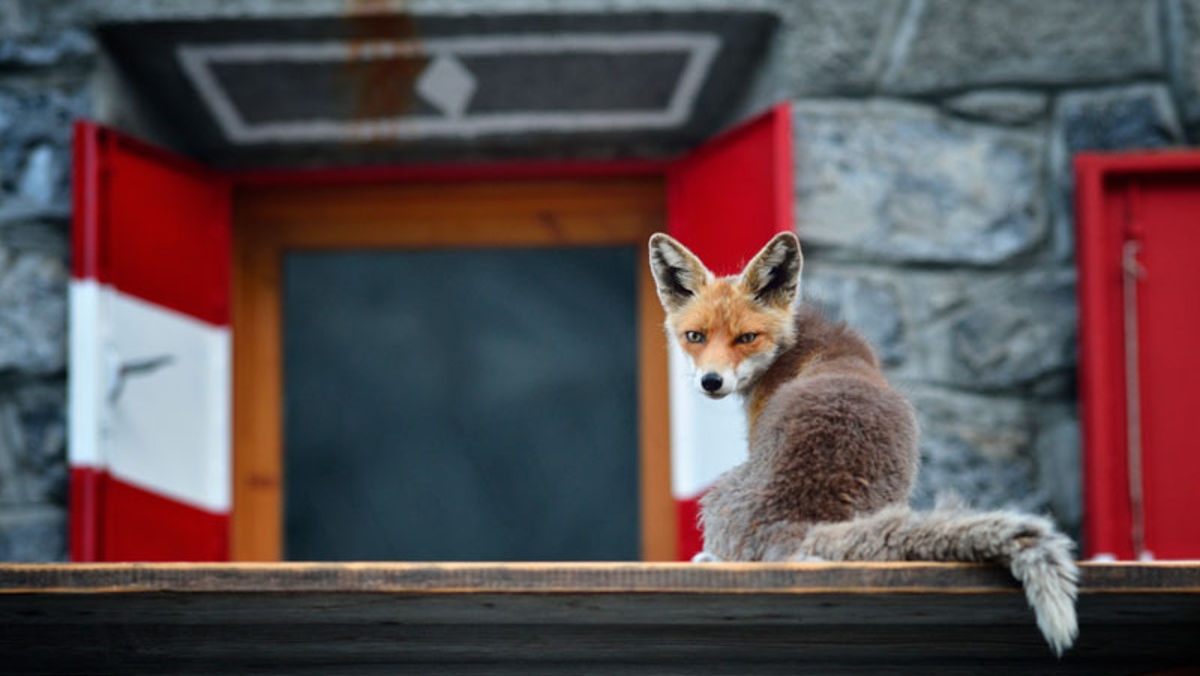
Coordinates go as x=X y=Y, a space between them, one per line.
x=622 y=618
x=717 y=578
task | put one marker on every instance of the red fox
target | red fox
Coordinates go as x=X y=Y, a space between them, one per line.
x=833 y=448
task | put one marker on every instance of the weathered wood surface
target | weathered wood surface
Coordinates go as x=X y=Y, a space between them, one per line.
x=581 y=618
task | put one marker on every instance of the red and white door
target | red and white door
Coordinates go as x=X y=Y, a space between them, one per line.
x=149 y=354
x=724 y=201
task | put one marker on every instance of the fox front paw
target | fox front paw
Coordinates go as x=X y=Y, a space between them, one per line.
x=705 y=557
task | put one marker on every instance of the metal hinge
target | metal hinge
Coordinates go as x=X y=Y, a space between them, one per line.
x=1131 y=272
x=120 y=371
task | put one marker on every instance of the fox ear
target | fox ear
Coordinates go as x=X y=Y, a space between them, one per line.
x=678 y=274
x=773 y=275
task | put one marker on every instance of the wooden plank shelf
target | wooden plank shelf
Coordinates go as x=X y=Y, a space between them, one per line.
x=612 y=618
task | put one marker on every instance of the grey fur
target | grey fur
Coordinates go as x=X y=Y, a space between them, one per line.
x=1037 y=554
x=833 y=457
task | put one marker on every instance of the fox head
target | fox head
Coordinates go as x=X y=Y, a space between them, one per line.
x=732 y=327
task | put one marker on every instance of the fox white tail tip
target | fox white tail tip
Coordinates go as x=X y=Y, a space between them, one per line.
x=1051 y=582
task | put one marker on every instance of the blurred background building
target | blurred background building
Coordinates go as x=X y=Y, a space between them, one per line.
x=932 y=178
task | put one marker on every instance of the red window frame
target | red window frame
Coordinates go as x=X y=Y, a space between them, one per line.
x=724 y=200
x=1105 y=203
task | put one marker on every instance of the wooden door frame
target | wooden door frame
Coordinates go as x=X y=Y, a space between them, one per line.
x=531 y=206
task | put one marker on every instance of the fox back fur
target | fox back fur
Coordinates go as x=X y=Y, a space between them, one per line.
x=833 y=448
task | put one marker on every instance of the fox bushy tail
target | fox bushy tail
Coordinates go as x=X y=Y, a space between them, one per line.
x=1038 y=555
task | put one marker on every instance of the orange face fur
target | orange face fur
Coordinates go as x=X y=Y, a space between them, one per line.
x=731 y=328
x=739 y=335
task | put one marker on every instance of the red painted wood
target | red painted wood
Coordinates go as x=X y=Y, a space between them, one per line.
x=1153 y=198
x=85 y=506
x=112 y=520
x=1166 y=212
x=1100 y=218
x=726 y=199
x=140 y=525
x=688 y=536
x=152 y=224
x=1161 y=162
x=86 y=206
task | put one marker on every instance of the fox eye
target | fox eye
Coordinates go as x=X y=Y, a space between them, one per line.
x=694 y=336
x=745 y=338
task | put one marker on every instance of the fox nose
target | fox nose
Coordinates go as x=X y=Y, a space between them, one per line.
x=711 y=382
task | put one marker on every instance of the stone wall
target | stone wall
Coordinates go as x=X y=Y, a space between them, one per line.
x=933 y=191
x=933 y=194
x=45 y=69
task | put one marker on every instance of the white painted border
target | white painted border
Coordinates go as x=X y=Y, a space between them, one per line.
x=708 y=437
x=86 y=384
x=701 y=48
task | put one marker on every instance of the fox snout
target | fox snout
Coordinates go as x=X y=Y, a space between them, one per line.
x=715 y=384
x=719 y=378
x=710 y=382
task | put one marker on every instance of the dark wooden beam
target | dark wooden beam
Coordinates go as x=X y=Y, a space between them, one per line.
x=609 y=618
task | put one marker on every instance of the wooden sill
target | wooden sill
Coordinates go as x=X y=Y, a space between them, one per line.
x=547 y=618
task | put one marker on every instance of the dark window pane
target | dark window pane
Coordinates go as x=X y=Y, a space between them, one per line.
x=461 y=405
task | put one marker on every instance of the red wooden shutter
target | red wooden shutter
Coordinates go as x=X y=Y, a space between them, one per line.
x=724 y=201
x=1139 y=292
x=150 y=356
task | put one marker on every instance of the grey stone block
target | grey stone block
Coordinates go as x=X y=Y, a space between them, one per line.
x=1183 y=62
x=1006 y=332
x=998 y=332
x=41 y=177
x=1025 y=330
x=35 y=144
x=33 y=534
x=976 y=447
x=888 y=181
x=869 y=306
x=1001 y=106
x=823 y=48
x=951 y=44
x=33 y=448
x=998 y=452
x=33 y=312
x=1137 y=117
x=49 y=237
x=71 y=46
x=1057 y=451
x=25 y=18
